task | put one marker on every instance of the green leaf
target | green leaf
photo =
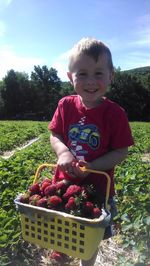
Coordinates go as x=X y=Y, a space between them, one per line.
x=147 y=220
x=3 y=238
x=126 y=227
x=125 y=217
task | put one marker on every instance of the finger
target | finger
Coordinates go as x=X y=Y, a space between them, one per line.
x=82 y=163
x=70 y=171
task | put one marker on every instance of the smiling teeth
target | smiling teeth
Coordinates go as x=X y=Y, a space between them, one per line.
x=91 y=90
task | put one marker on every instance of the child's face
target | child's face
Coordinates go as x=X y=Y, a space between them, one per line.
x=90 y=78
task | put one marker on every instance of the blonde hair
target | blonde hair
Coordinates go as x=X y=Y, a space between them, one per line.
x=91 y=47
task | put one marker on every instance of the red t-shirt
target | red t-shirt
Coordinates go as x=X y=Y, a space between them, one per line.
x=90 y=133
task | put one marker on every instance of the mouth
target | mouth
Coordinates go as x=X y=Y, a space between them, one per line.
x=90 y=91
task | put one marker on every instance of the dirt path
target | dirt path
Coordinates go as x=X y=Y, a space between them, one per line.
x=109 y=250
x=8 y=154
x=108 y=255
x=146 y=158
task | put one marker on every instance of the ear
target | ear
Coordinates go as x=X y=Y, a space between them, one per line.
x=69 y=74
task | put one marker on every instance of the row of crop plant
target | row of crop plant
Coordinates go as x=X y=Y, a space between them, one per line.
x=132 y=184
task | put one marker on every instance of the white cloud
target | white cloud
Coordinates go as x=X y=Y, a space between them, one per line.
x=144 y=37
x=61 y=68
x=131 y=53
x=61 y=65
x=2 y=28
x=64 y=56
x=114 y=44
x=133 y=59
x=139 y=36
x=10 y=60
x=140 y=59
x=4 y=3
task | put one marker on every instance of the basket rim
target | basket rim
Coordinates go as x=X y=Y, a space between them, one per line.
x=94 y=221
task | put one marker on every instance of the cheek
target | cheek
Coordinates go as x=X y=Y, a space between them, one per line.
x=78 y=83
x=102 y=85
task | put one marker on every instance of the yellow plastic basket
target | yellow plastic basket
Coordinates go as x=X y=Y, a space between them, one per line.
x=69 y=234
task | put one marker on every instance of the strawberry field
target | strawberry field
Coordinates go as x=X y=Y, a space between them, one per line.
x=17 y=173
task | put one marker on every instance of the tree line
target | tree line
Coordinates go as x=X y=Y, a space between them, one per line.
x=36 y=97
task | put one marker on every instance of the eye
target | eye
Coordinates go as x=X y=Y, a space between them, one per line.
x=98 y=73
x=82 y=74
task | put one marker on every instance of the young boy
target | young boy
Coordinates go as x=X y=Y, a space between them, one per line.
x=87 y=129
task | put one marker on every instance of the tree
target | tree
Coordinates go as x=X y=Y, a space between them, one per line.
x=15 y=93
x=46 y=86
x=2 y=104
x=129 y=92
x=67 y=89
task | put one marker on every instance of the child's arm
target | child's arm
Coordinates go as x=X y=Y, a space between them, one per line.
x=109 y=160
x=66 y=161
x=103 y=163
x=64 y=156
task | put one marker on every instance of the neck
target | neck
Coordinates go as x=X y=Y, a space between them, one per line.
x=89 y=104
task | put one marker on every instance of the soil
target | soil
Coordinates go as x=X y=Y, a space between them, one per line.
x=108 y=254
x=8 y=154
x=146 y=158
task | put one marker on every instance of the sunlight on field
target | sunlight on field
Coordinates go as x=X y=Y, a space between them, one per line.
x=17 y=173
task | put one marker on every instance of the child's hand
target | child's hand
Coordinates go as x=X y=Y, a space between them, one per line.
x=65 y=161
x=77 y=169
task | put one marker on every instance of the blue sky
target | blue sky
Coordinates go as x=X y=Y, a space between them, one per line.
x=41 y=32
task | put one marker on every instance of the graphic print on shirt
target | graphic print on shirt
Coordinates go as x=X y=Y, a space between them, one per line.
x=80 y=134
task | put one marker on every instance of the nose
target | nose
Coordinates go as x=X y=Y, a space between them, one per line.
x=90 y=80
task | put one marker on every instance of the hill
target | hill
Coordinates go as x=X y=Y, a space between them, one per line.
x=138 y=71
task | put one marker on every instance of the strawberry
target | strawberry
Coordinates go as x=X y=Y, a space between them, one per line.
x=50 y=190
x=34 y=199
x=72 y=190
x=34 y=189
x=62 y=186
x=42 y=203
x=71 y=204
x=25 y=197
x=46 y=179
x=96 y=212
x=54 y=201
x=56 y=256
x=88 y=209
x=44 y=185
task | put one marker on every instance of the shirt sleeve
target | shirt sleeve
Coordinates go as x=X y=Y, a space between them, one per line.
x=121 y=136
x=56 y=124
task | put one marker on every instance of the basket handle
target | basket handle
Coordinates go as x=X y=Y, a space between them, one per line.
x=84 y=169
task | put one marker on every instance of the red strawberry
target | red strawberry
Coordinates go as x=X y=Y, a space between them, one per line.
x=50 y=190
x=42 y=202
x=34 y=199
x=54 y=201
x=44 y=185
x=62 y=185
x=96 y=212
x=71 y=204
x=71 y=191
x=46 y=179
x=25 y=197
x=58 y=256
x=34 y=189
x=88 y=209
